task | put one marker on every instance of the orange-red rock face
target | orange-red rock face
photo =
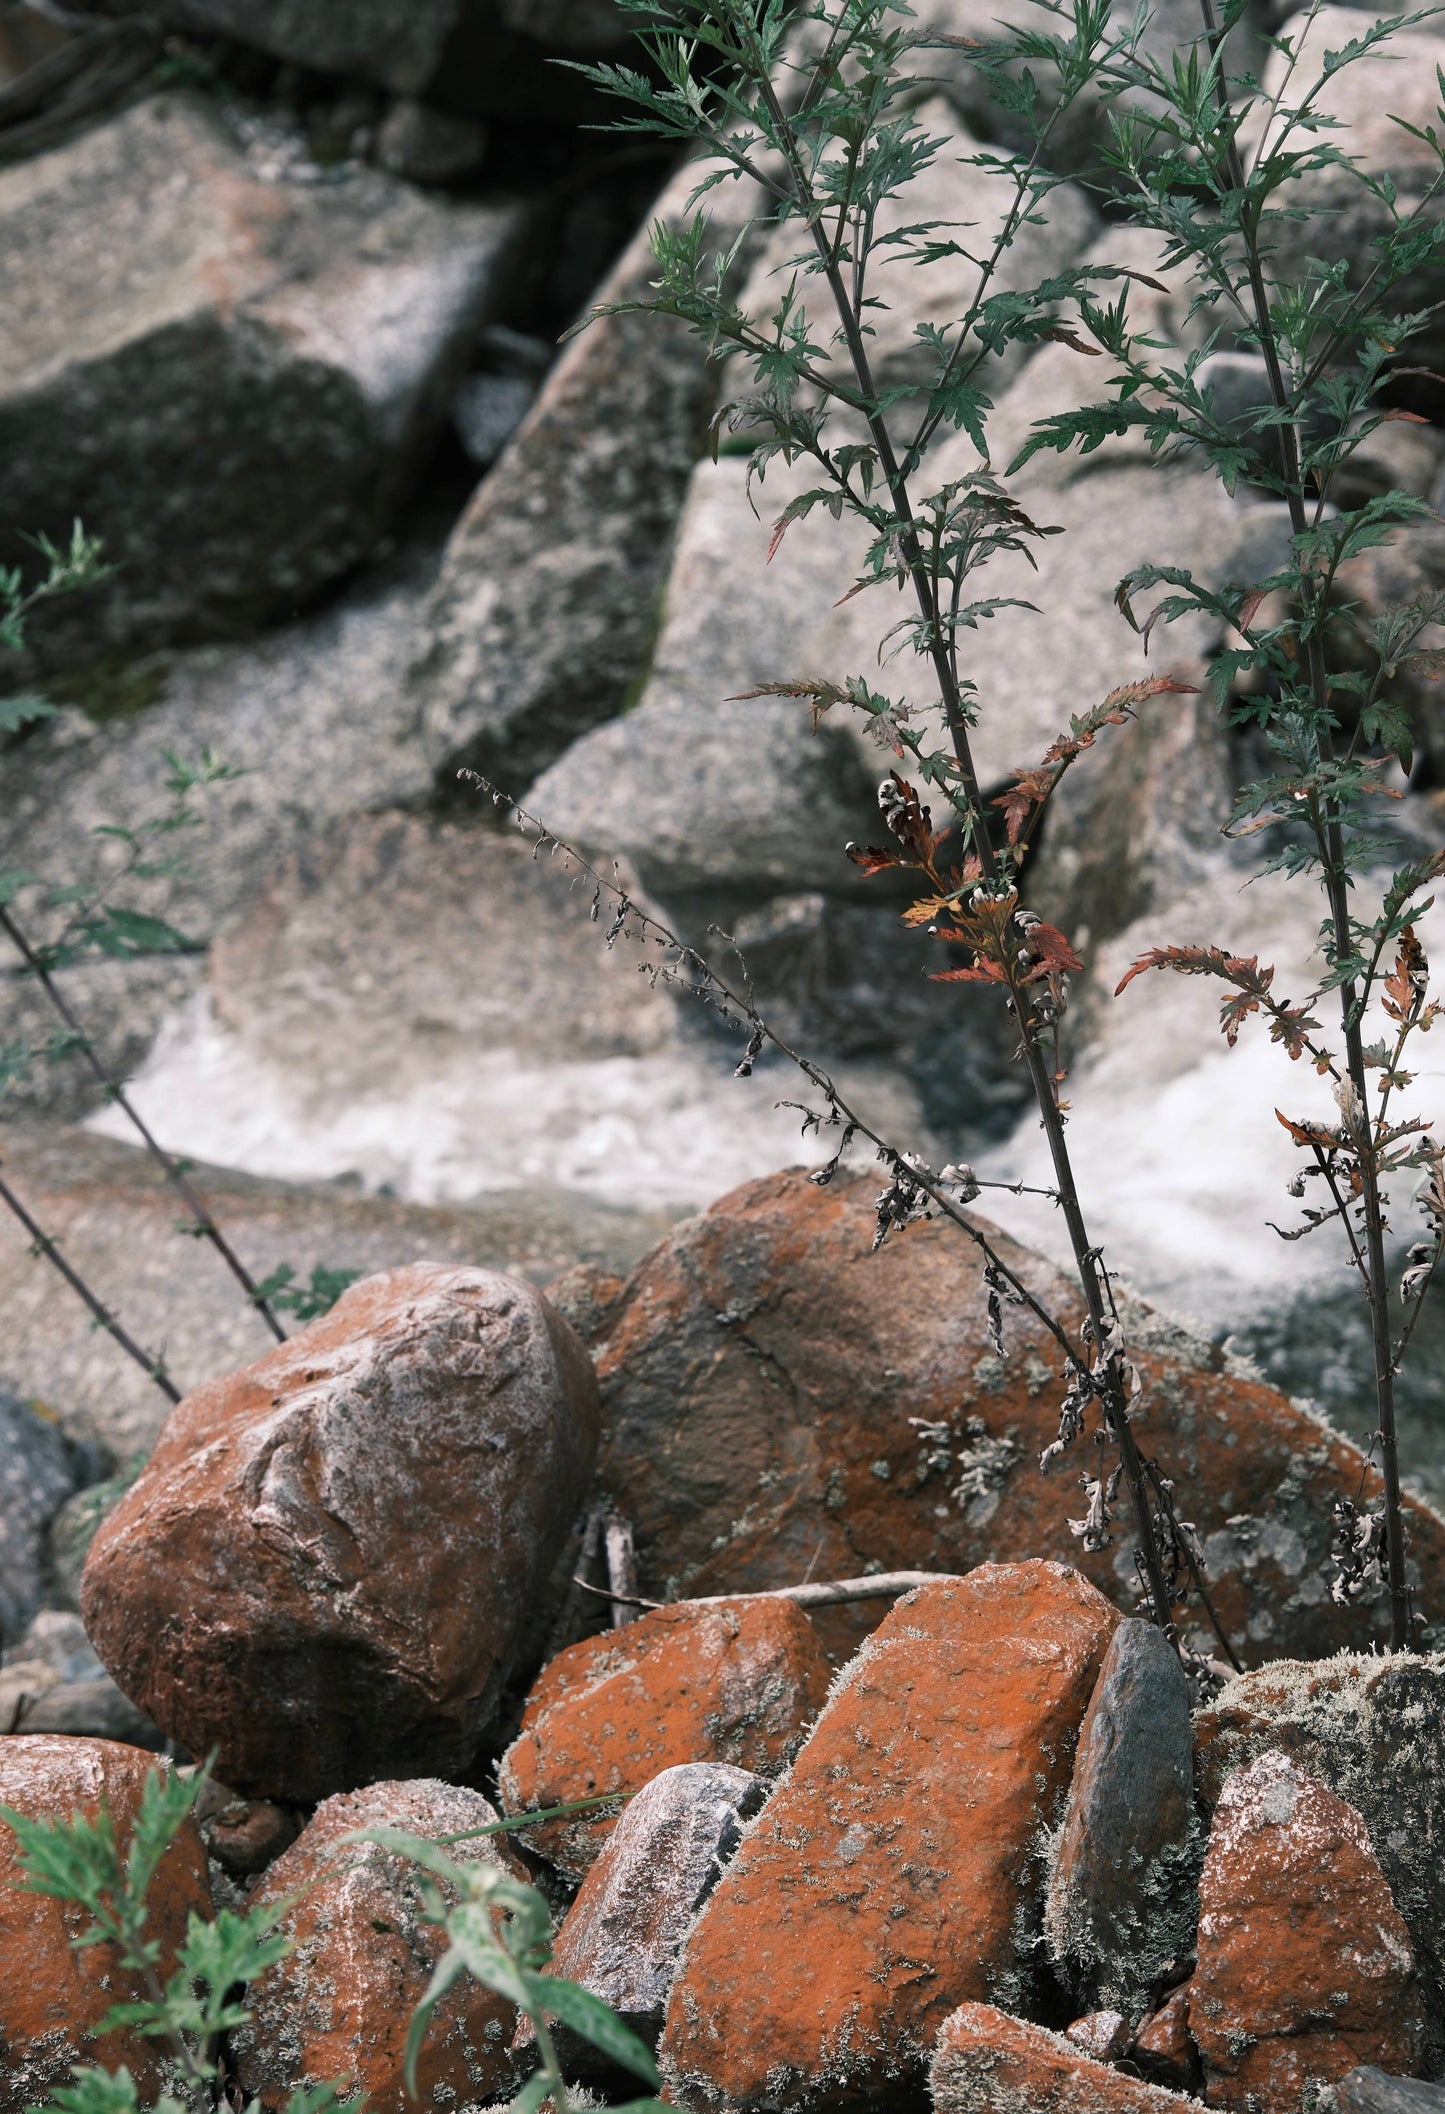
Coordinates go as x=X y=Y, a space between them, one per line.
x=890 y=1877
x=734 y=1682
x=51 y=1996
x=1371 y=1727
x=340 y=2005
x=766 y=1381
x=1305 y=1964
x=327 y=1567
x=989 y=2063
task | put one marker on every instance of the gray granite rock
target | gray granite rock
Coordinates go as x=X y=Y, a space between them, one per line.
x=51 y=1680
x=229 y=380
x=1369 y=2091
x=624 y=1932
x=38 y=1472
x=544 y=611
x=1121 y=1891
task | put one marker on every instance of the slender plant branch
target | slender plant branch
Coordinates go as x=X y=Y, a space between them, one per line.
x=205 y=1224
x=154 y=1368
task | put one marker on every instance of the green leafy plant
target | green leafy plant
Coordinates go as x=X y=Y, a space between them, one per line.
x=498 y=1930
x=192 y=2008
x=814 y=108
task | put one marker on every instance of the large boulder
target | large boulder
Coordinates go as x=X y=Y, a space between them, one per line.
x=394 y=951
x=893 y=1876
x=735 y=1682
x=118 y=1218
x=1305 y=1965
x=54 y=1993
x=228 y=380
x=1372 y=1729
x=530 y=638
x=333 y=1562
x=781 y=1401
x=340 y=2004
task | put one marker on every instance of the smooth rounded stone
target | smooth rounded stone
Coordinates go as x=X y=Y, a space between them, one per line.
x=54 y=1994
x=986 y=2062
x=263 y=1589
x=118 y=1218
x=38 y=1473
x=782 y=1402
x=340 y=2004
x=736 y=1682
x=1120 y=1902
x=394 y=947
x=487 y=410
x=1369 y=2090
x=1373 y=1729
x=228 y=380
x=891 y=1876
x=578 y=516
x=633 y=1911
x=1305 y=1965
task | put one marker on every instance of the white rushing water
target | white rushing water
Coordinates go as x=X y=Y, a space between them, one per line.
x=1180 y=1159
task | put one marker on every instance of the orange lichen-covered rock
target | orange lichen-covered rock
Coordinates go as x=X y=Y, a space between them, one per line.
x=330 y=1565
x=1371 y=1727
x=737 y=1681
x=894 y=1873
x=51 y=1996
x=1305 y=1965
x=776 y=1395
x=989 y=2063
x=340 y=2004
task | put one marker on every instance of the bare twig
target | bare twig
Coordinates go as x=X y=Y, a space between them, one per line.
x=205 y=1224
x=154 y=1368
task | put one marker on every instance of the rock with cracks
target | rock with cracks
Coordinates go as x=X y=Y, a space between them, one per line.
x=737 y=1682
x=778 y=1396
x=1373 y=1730
x=893 y=1875
x=328 y=1569
x=988 y=2063
x=1121 y=1897
x=340 y=2004
x=1305 y=1965
x=624 y=1932
x=54 y=1995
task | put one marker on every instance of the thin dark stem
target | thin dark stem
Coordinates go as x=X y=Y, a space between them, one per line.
x=1085 y=1254
x=205 y=1223
x=1336 y=886
x=45 y=1246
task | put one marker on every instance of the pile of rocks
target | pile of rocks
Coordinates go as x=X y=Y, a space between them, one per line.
x=989 y=1849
